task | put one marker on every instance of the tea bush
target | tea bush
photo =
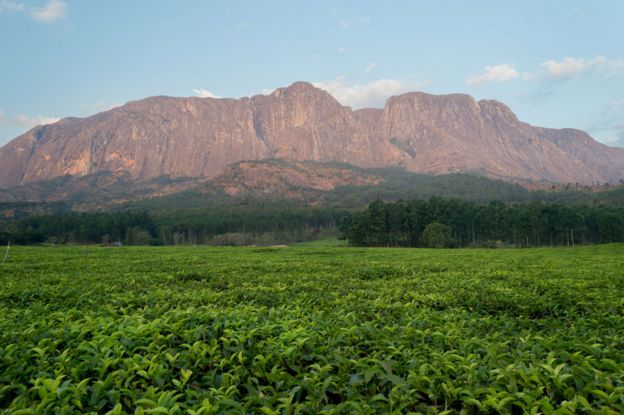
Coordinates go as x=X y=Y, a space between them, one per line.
x=322 y=330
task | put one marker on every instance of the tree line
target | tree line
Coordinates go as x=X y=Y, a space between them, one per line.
x=248 y=224
x=455 y=223
x=413 y=223
x=225 y=225
x=135 y=228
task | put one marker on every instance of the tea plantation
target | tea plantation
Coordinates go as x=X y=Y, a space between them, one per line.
x=311 y=330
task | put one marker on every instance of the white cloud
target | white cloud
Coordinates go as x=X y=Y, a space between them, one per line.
x=103 y=106
x=616 y=67
x=497 y=73
x=10 y=6
x=204 y=93
x=608 y=127
x=53 y=10
x=616 y=104
x=25 y=121
x=569 y=67
x=618 y=134
x=371 y=67
x=368 y=94
x=341 y=49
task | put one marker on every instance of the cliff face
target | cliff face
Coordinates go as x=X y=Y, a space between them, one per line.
x=199 y=137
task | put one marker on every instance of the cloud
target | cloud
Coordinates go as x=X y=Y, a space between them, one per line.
x=374 y=93
x=497 y=73
x=608 y=126
x=52 y=11
x=25 y=121
x=618 y=141
x=371 y=67
x=570 y=67
x=615 y=122
x=242 y=25
x=204 y=93
x=103 y=106
x=11 y=6
x=617 y=104
x=341 y=49
x=345 y=21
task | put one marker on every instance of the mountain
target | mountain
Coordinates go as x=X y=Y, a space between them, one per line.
x=200 y=137
x=279 y=178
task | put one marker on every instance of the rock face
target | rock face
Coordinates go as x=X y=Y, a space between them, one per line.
x=199 y=137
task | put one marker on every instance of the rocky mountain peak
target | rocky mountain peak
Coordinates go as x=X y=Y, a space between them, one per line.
x=299 y=90
x=199 y=137
x=496 y=109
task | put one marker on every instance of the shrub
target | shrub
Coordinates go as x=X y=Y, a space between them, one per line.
x=437 y=235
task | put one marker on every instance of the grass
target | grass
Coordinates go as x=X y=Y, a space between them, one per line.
x=325 y=243
x=311 y=329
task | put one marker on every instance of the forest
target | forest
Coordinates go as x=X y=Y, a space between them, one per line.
x=226 y=225
x=441 y=222
x=436 y=222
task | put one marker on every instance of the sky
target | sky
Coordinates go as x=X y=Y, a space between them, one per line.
x=555 y=63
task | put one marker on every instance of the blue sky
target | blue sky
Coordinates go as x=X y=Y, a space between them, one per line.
x=555 y=63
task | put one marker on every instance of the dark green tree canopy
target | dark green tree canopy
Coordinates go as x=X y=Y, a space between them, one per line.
x=404 y=223
x=438 y=235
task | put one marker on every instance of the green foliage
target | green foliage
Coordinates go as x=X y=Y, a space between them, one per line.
x=437 y=235
x=200 y=330
x=243 y=224
x=524 y=224
x=128 y=226
x=250 y=222
x=395 y=184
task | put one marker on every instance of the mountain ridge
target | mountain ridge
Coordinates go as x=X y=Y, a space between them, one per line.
x=200 y=137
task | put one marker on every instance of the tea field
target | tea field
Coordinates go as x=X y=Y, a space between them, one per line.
x=311 y=330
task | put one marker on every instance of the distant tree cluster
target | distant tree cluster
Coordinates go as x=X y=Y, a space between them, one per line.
x=453 y=223
x=250 y=224
x=136 y=228
x=225 y=225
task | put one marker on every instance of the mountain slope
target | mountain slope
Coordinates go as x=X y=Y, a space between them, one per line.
x=199 y=137
x=276 y=182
